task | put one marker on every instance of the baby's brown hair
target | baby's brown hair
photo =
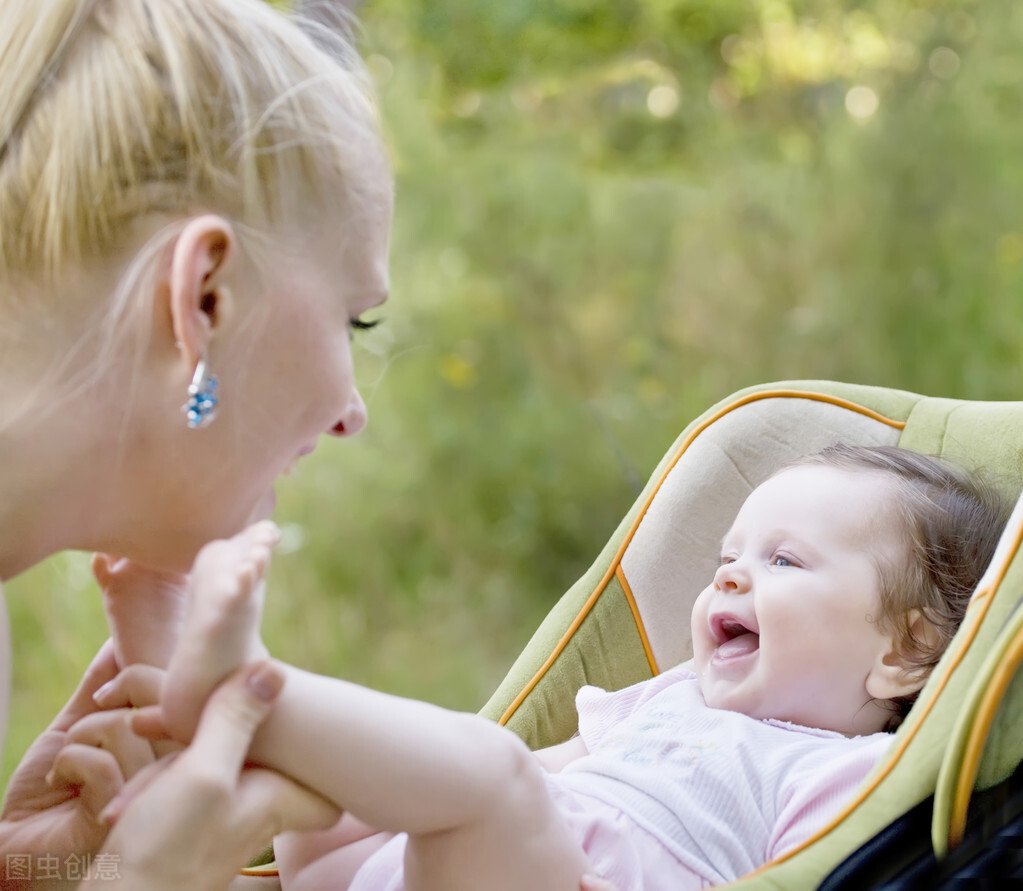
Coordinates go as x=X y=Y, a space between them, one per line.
x=953 y=521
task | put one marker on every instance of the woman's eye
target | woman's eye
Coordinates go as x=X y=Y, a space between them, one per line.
x=362 y=324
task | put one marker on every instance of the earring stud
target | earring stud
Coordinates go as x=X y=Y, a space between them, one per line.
x=201 y=407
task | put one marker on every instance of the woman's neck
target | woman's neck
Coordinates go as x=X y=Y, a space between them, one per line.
x=51 y=485
x=58 y=441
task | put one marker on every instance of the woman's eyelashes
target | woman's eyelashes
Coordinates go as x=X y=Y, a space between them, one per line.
x=358 y=324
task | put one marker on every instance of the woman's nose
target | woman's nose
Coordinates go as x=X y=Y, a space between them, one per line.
x=354 y=418
x=731 y=578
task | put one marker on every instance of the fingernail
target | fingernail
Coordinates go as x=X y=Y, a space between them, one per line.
x=102 y=692
x=265 y=681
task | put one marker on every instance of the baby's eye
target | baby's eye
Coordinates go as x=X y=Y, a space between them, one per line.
x=725 y=559
x=781 y=560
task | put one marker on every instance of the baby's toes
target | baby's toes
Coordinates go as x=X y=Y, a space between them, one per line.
x=263 y=534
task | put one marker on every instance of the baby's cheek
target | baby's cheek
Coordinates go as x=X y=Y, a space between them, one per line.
x=698 y=618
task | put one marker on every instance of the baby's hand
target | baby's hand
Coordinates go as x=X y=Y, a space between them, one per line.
x=221 y=631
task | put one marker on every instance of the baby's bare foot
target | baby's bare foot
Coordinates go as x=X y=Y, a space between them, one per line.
x=221 y=630
x=145 y=609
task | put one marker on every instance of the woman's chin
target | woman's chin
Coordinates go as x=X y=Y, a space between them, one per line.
x=264 y=509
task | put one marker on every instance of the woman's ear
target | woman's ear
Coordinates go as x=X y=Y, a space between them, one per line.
x=201 y=265
x=894 y=674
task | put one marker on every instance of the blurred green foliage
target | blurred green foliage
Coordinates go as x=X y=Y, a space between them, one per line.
x=609 y=216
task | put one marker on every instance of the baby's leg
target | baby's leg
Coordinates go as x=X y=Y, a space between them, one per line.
x=221 y=630
x=328 y=858
x=508 y=839
x=521 y=841
x=470 y=794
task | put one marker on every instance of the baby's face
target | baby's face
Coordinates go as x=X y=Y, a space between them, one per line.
x=787 y=628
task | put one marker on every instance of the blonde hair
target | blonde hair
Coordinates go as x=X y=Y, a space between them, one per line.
x=118 y=115
x=111 y=111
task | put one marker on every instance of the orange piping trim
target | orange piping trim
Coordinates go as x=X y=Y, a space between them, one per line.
x=587 y=607
x=267 y=871
x=979 y=732
x=640 y=627
x=981 y=602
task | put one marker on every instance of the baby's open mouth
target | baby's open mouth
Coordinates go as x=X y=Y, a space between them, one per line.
x=734 y=638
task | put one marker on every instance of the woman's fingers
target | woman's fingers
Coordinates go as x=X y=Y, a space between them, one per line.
x=112 y=731
x=266 y=803
x=129 y=792
x=135 y=686
x=203 y=802
x=232 y=714
x=269 y=804
x=92 y=771
x=213 y=762
x=99 y=673
x=138 y=687
x=147 y=722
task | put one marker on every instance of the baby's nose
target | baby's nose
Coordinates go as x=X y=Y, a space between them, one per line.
x=732 y=578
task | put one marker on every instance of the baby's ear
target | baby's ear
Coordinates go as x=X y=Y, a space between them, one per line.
x=894 y=674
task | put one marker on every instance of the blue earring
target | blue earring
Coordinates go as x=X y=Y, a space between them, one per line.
x=201 y=407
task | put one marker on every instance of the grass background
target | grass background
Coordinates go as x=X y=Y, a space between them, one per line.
x=610 y=216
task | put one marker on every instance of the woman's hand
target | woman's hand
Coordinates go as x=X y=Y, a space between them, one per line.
x=192 y=819
x=55 y=821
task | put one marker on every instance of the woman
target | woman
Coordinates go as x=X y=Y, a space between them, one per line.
x=189 y=192
x=194 y=213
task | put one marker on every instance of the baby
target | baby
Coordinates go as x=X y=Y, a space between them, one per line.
x=841 y=581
